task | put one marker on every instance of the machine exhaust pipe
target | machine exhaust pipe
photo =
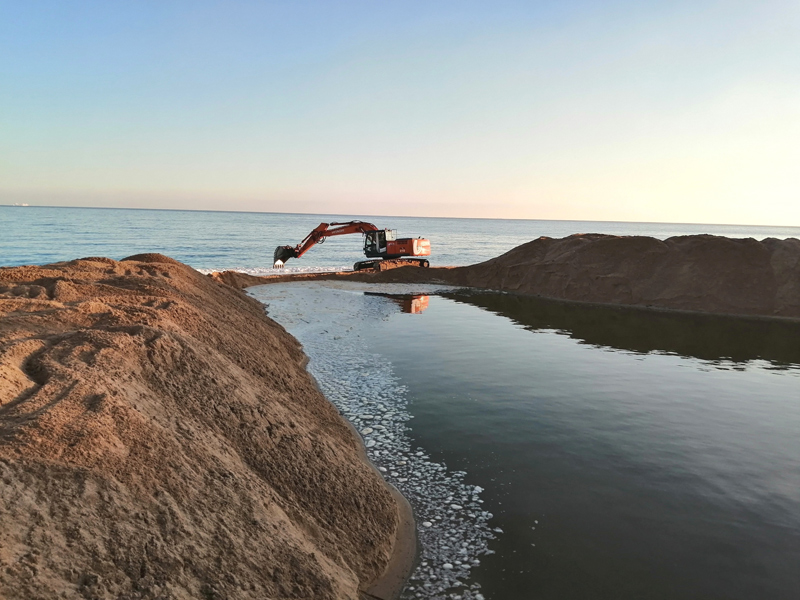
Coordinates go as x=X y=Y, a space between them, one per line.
x=282 y=254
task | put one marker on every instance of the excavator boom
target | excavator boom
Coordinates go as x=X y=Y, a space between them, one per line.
x=317 y=236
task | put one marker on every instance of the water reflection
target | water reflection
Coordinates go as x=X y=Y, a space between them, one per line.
x=714 y=338
x=411 y=304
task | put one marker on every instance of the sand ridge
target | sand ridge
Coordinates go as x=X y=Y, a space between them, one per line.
x=160 y=438
x=702 y=273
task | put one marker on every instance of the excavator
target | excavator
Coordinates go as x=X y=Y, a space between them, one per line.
x=380 y=245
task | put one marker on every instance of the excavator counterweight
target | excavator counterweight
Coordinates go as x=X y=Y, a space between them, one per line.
x=381 y=245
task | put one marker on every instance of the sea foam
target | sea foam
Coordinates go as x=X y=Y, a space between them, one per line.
x=263 y=271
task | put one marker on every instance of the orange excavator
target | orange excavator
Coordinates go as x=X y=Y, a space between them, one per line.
x=380 y=245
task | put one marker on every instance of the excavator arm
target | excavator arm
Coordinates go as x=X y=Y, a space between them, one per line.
x=317 y=236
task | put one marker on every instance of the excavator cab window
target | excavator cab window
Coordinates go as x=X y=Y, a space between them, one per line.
x=375 y=243
x=370 y=242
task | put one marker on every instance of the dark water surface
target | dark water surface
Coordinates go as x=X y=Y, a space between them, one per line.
x=624 y=453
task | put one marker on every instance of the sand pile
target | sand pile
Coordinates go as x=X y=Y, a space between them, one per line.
x=160 y=438
x=700 y=272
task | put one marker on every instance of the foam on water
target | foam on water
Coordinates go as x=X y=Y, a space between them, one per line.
x=262 y=271
x=332 y=321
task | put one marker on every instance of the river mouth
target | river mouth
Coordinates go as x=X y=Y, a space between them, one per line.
x=601 y=452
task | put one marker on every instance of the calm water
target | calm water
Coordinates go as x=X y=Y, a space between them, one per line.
x=246 y=241
x=660 y=455
x=623 y=454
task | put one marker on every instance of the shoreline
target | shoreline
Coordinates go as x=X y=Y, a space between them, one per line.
x=380 y=278
x=693 y=274
x=390 y=584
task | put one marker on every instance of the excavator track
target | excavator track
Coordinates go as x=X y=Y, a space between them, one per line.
x=390 y=263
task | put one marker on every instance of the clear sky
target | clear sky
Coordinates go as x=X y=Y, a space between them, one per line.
x=637 y=111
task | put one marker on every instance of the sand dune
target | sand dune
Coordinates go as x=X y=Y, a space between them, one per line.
x=699 y=273
x=160 y=438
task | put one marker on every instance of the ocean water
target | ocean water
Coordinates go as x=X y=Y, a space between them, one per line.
x=246 y=241
x=559 y=451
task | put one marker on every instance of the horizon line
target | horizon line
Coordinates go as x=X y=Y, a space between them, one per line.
x=264 y=212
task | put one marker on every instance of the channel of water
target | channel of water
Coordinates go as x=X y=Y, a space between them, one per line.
x=556 y=450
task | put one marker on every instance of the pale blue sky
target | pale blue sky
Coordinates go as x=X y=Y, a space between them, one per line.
x=659 y=111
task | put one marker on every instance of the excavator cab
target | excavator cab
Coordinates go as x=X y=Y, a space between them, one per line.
x=371 y=244
x=376 y=242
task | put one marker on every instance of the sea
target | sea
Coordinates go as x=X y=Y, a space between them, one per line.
x=550 y=451
x=246 y=241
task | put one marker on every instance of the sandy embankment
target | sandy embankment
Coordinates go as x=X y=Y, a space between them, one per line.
x=700 y=273
x=160 y=438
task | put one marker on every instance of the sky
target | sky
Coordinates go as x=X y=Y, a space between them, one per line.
x=617 y=111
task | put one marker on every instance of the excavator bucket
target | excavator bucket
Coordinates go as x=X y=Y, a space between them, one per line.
x=282 y=254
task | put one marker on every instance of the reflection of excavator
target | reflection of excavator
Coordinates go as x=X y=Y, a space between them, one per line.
x=411 y=304
x=381 y=245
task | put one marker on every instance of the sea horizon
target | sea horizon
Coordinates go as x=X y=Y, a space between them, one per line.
x=380 y=215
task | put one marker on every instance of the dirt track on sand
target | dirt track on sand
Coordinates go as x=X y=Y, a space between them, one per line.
x=702 y=273
x=160 y=438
